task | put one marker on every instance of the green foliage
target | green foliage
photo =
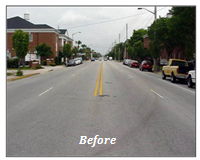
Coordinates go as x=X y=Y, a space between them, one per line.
x=137 y=36
x=52 y=64
x=43 y=50
x=57 y=60
x=39 y=67
x=19 y=73
x=75 y=50
x=12 y=63
x=44 y=62
x=20 y=43
x=66 y=49
x=183 y=26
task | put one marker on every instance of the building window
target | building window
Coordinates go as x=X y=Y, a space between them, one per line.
x=30 y=37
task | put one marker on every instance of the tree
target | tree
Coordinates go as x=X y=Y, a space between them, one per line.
x=66 y=51
x=75 y=50
x=79 y=43
x=137 y=36
x=20 y=43
x=183 y=28
x=43 y=50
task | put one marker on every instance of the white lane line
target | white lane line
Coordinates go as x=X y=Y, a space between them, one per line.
x=73 y=75
x=45 y=91
x=177 y=86
x=130 y=76
x=156 y=93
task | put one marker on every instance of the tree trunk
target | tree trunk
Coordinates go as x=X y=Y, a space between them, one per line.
x=155 y=65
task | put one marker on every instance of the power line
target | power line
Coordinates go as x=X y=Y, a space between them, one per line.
x=84 y=25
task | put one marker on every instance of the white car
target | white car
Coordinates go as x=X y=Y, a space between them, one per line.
x=191 y=78
x=77 y=61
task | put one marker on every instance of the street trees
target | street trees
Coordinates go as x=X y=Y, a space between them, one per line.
x=20 y=42
x=43 y=50
x=78 y=43
x=135 y=44
x=75 y=50
x=66 y=49
x=183 y=29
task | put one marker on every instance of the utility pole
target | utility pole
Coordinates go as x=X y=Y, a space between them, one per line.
x=119 y=49
x=126 y=54
x=115 y=50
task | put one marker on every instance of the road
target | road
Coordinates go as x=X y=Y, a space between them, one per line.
x=46 y=114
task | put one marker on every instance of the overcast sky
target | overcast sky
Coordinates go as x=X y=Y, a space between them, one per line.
x=100 y=36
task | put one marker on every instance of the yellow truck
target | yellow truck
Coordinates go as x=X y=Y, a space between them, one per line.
x=176 y=69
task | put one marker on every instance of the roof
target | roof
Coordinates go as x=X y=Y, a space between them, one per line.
x=20 y=23
x=62 y=31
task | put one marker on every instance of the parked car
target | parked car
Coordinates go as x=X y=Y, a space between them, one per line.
x=176 y=69
x=105 y=59
x=110 y=58
x=99 y=59
x=146 y=65
x=126 y=61
x=71 y=63
x=191 y=78
x=134 y=64
x=92 y=59
x=77 y=61
x=81 y=60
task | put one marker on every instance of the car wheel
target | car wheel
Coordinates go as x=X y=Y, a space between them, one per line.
x=163 y=75
x=142 y=69
x=173 y=78
x=189 y=82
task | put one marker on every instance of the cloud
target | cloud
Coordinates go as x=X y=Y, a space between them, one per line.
x=71 y=18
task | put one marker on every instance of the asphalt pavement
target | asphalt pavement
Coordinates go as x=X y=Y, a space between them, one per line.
x=47 y=114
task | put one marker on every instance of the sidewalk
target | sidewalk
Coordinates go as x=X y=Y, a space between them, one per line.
x=28 y=73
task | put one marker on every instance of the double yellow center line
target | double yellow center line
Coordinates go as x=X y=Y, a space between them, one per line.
x=100 y=78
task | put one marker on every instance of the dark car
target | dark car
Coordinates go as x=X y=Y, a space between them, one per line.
x=146 y=65
x=134 y=64
x=92 y=59
x=71 y=63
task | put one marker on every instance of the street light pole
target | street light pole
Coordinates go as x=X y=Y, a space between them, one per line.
x=73 y=39
x=155 y=17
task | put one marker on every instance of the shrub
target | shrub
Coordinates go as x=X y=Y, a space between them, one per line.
x=19 y=73
x=57 y=60
x=39 y=67
x=44 y=62
x=52 y=64
x=12 y=63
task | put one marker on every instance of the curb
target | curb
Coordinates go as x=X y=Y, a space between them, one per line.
x=21 y=77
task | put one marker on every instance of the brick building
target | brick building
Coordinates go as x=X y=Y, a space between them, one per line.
x=38 y=33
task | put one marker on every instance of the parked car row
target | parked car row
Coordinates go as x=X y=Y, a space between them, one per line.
x=74 y=62
x=176 y=69
x=145 y=65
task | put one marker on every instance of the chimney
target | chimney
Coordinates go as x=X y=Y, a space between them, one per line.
x=26 y=15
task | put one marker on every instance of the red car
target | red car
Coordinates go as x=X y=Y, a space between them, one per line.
x=146 y=65
x=135 y=64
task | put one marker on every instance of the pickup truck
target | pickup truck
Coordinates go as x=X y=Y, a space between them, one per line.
x=176 y=69
x=191 y=80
